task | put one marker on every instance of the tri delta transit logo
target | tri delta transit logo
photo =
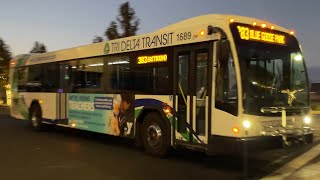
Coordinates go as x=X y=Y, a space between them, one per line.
x=106 y=49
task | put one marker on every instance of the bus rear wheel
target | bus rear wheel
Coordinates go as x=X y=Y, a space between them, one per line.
x=35 y=118
x=154 y=135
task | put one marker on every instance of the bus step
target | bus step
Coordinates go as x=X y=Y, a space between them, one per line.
x=190 y=146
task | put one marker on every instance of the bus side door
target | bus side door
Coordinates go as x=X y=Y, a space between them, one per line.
x=192 y=88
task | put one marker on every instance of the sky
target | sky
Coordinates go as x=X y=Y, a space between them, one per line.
x=61 y=24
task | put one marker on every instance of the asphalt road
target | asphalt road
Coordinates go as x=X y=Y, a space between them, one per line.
x=61 y=153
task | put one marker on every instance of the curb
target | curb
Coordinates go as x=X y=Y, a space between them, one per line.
x=295 y=165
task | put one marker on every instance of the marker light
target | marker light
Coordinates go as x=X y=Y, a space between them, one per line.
x=254 y=23
x=292 y=32
x=246 y=124
x=235 y=130
x=231 y=20
x=202 y=33
x=307 y=120
x=263 y=25
x=73 y=125
x=272 y=27
x=13 y=63
x=167 y=110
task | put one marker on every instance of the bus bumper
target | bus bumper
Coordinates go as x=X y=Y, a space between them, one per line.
x=232 y=145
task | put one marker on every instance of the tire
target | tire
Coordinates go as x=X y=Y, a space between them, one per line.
x=155 y=135
x=35 y=118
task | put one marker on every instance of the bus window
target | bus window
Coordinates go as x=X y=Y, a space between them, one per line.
x=34 y=83
x=22 y=78
x=118 y=74
x=201 y=89
x=84 y=75
x=226 y=82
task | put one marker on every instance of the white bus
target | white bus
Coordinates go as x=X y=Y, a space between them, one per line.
x=214 y=83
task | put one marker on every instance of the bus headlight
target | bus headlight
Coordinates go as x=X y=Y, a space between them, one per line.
x=246 y=124
x=307 y=120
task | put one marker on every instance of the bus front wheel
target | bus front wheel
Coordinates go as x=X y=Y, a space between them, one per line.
x=155 y=135
x=35 y=118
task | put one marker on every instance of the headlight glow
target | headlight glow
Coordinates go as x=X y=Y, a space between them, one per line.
x=307 y=120
x=246 y=124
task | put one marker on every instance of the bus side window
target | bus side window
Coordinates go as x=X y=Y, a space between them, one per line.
x=226 y=82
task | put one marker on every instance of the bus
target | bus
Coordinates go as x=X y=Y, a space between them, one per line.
x=213 y=83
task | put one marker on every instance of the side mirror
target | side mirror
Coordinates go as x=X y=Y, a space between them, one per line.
x=223 y=50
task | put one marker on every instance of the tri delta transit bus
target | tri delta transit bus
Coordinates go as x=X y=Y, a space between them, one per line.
x=212 y=83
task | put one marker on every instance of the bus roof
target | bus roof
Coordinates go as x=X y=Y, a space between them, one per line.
x=188 y=31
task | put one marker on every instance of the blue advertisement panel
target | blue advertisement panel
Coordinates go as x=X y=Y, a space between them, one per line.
x=110 y=114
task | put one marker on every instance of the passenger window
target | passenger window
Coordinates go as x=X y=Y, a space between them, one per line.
x=84 y=76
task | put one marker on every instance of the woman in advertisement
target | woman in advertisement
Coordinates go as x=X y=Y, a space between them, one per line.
x=123 y=113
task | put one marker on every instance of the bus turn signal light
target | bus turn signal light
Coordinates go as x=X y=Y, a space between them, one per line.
x=202 y=33
x=235 y=130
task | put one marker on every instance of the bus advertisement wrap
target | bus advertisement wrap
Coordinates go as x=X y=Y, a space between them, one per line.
x=110 y=114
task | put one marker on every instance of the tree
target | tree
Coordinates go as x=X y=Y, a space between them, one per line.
x=127 y=20
x=38 y=48
x=97 y=39
x=112 y=31
x=5 y=56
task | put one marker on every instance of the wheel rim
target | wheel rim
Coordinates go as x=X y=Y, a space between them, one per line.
x=154 y=135
x=34 y=119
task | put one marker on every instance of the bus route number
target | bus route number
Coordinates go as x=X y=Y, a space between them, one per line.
x=184 y=36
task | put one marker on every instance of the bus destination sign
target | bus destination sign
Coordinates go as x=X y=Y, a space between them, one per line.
x=246 y=33
x=152 y=59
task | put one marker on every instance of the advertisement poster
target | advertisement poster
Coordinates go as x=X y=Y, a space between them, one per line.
x=110 y=114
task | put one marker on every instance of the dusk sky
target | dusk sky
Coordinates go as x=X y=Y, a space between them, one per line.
x=63 y=24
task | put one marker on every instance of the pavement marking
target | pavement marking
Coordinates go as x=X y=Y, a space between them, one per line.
x=294 y=165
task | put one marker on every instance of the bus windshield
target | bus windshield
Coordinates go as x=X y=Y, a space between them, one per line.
x=273 y=73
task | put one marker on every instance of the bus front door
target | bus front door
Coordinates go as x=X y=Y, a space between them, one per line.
x=192 y=92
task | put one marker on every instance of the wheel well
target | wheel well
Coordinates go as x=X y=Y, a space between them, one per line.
x=144 y=112
x=35 y=103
